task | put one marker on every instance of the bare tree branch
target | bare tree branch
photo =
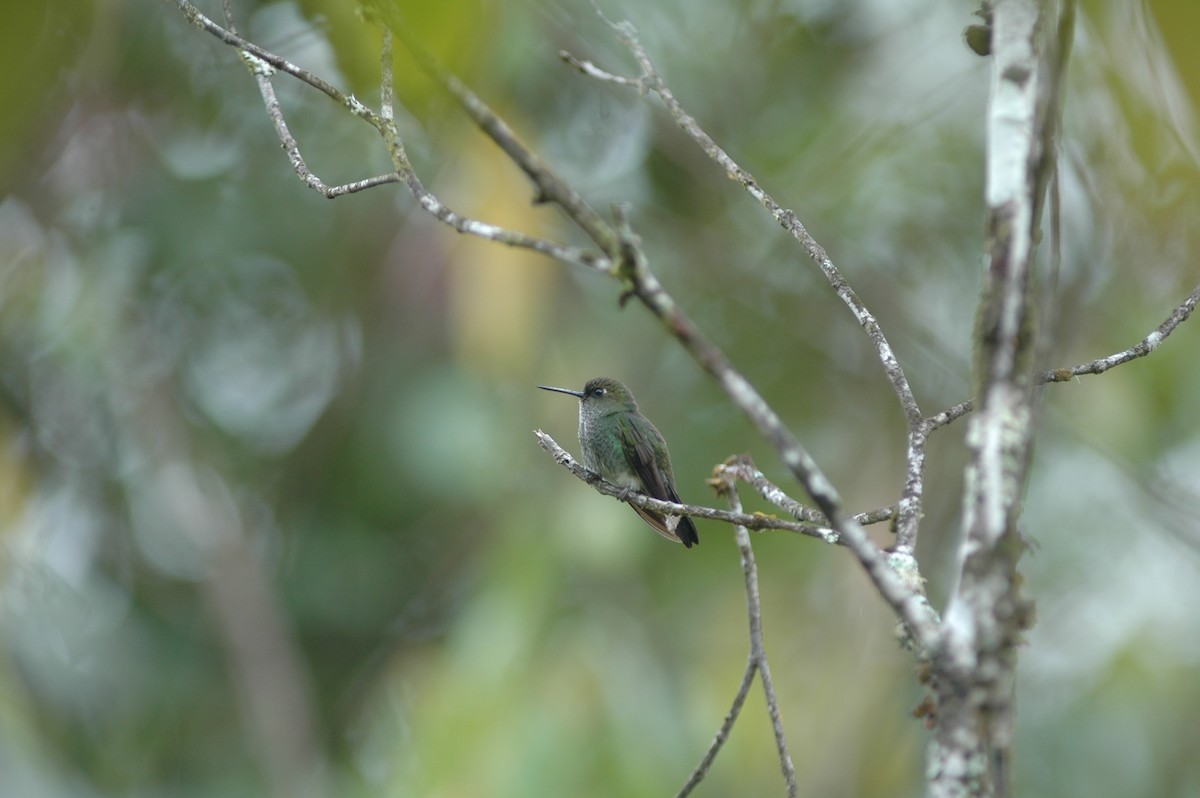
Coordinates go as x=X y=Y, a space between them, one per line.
x=951 y=414
x=651 y=80
x=1098 y=366
x=623 y=250
x=758 y=648
x=725 y=483
x=550 y=186
x=746 y=471
x=262 y=64
x=722 y=734
x=197 y=18
x=263 y=71
x=911 y=607
x=1142 y=348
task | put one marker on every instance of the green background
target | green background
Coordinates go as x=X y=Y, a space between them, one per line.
x=196 y=348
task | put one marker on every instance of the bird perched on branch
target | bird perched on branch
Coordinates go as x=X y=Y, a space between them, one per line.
x=623 y=447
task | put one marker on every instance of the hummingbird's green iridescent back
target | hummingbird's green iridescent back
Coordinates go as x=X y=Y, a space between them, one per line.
x=621 y=445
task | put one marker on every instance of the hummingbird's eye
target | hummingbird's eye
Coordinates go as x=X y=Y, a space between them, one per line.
x=599 y=392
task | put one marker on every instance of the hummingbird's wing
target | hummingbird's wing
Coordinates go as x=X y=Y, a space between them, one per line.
x=646 y=452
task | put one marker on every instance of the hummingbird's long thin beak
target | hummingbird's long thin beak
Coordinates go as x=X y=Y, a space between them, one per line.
x=576 y=394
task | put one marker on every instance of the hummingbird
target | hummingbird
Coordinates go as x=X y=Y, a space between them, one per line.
x=621 y=445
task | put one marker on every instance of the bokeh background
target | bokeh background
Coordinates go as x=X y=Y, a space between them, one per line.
x=268 y=489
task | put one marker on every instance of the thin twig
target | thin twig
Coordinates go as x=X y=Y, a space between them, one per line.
x=722 y=734
x=1142 y=348
x=549 y=185
x=951 y=414
x=758 y=648
x=263 y=63
x=262 y=74
x=1098 y=366
x=652 y=80
x=197 y=18
x=263 y=71
x=908 y=508
x=592 y=71
x=745 y=470
x=725 y=483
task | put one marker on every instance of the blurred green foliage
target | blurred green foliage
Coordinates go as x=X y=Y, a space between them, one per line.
x=199 y=356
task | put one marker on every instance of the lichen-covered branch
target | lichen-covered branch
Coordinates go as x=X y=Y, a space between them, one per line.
x=197 y=18
x=549 y=185
x=1150 y=343
x=263 y=72
x=975 y=668
x=745 y=470
x=1142 y=348
x=263 y=64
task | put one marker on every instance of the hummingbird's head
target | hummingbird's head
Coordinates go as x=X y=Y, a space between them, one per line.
x=605 y=392
x=601 y=395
